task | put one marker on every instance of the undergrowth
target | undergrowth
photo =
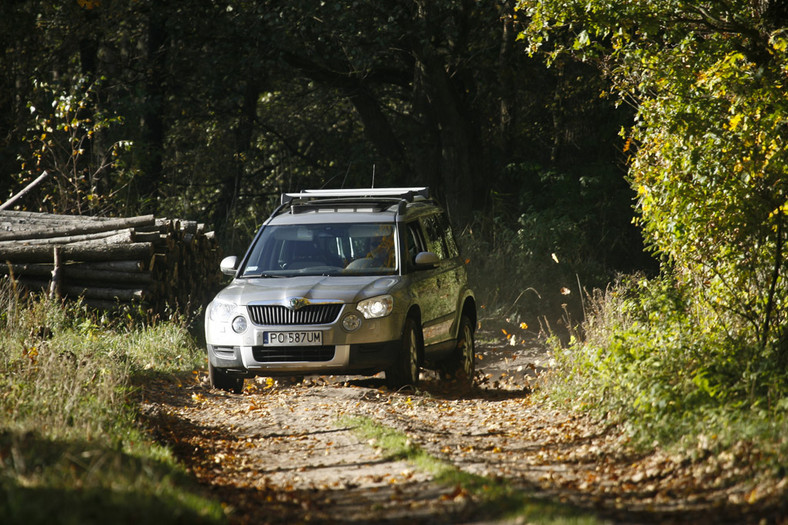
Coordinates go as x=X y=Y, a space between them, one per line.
x=654 y=360
x=553 y=235
x=71 y=450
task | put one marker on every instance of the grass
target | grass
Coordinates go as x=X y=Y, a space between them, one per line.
x=71 y=450
x=497 y=498
x=673 y=375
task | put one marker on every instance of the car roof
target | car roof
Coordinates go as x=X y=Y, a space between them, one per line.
x=407 y=193
x=353 y=205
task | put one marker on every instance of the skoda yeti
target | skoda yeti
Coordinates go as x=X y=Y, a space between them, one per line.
x=345 y=282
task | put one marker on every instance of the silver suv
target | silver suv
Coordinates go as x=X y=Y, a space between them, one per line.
x=345 y=282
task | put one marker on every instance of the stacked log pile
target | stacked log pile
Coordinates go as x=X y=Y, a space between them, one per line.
x=155 y=263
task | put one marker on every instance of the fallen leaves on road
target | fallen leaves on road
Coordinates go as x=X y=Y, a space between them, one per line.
x=277 y=454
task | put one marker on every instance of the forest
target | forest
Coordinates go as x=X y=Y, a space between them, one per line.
x=209 y=110
x=617 y=171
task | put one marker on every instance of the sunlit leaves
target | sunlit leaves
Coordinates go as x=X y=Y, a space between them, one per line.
x=709 y=157
x=68 y=138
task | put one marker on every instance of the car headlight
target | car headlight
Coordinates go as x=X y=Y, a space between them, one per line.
x=376 y=307
x=223 y=312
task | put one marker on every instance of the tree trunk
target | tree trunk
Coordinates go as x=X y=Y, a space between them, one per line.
x=153 y=121
x=231 y=183
x=458 y=149
x=377 y=128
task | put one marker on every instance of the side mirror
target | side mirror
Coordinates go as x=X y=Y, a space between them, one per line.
x=426 y=260
x=228 y=265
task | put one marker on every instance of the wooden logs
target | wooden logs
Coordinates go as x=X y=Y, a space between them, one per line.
x=160 y=264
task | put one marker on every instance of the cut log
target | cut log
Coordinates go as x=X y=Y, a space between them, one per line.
x=29 y=231
x=107 y=237
x=43 y=216
x=79 y=252
x=45 y=269
x=76 y=274
x=10 y=202
x=29 y=270
x=106 y=294
x=158 y=263
x=117 y=266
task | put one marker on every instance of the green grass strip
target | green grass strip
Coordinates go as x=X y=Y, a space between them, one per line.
x=498 y=498
x=73 y=448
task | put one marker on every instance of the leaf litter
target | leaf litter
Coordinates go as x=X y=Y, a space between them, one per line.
x=278 y=453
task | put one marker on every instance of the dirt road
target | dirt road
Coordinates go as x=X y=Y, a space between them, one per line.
x=286 y=452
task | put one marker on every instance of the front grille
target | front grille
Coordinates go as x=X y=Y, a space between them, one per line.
x=279 y=315
x=291 y=354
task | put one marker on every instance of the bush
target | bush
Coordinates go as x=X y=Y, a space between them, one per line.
x=656 y=360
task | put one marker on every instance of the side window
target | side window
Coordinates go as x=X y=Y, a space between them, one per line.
x=415 y=241
x=448 y=234
x=436 y=242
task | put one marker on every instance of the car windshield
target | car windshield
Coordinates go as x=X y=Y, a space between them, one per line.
x=323 y=249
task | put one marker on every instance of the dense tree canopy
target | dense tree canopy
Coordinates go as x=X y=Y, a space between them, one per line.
x=209 y=109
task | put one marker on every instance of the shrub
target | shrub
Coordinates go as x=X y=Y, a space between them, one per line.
x=655 y=359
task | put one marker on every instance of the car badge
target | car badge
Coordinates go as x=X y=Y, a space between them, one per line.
x=296 y=303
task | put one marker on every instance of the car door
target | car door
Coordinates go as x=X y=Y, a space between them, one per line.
x=445 y=281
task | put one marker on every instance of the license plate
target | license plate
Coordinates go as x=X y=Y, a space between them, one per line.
x=313 y=338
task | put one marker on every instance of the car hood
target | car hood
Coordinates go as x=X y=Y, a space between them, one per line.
x=319 y=288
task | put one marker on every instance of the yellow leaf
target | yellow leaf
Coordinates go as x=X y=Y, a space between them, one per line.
x=780 y=210
x=524 y=326
x=733 y=123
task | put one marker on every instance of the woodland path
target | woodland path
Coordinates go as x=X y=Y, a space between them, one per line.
x=284 y=452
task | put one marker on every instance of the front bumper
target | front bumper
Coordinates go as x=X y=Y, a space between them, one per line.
x=257 y=360
x=372 y=347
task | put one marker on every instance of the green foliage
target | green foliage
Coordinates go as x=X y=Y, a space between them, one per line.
x=703 y=352
x=70 y=442
x=655 y=359
x=710 y=164
x=227 y=104
x=68 y=138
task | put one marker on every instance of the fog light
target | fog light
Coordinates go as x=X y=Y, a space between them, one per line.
x=239 y=325
x=351 y=322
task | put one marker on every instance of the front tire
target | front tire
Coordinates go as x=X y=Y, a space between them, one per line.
x=461 y=366
x=221 y=380
x=405 y=370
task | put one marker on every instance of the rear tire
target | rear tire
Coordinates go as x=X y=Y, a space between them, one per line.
x=405 y=370
x=461 y=366
x=221 y=380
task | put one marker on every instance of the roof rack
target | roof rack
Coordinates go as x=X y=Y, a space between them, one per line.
x=407 y=194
